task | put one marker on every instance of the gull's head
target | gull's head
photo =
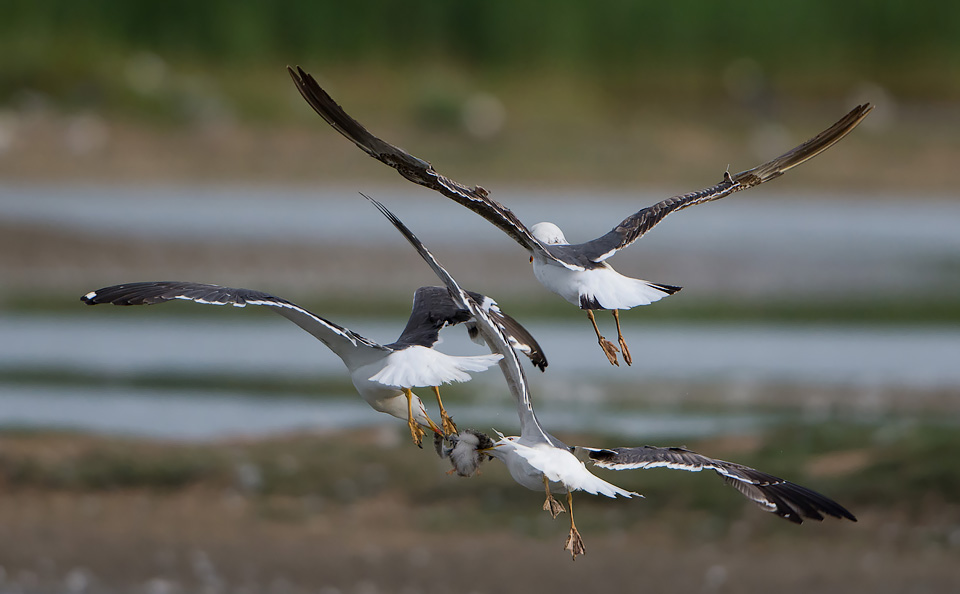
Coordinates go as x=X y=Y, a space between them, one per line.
x=549 y=234
x=500 y=448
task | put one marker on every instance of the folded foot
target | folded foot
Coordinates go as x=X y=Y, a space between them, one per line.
x=610 y=351
x=574 y=543
x=449 y=427
x=553 y=506
x=417 y=432
x=626 y=352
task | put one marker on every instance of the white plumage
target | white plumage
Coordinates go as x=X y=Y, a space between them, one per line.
x=417 y=367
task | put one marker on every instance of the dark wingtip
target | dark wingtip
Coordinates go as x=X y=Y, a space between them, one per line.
x=668 y=289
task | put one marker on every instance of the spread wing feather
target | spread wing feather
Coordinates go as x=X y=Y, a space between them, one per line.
x=412 y=168
x=788 y=500
x=637 y=224
x=149 y=293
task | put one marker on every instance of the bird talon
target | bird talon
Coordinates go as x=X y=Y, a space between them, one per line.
x=610 y=351
x=417 y=432
x=553 y=506
x=574 y=544
x=449 y=427
x=626 y=352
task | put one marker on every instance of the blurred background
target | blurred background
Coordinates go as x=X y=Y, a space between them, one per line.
x=195 y=449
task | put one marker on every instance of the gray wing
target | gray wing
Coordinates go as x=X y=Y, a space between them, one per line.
x=412 y=168
x=634 y=226
x=339 y=339
x=788 y=500
x=519 y=337
x=492 y=334
x=433 y=309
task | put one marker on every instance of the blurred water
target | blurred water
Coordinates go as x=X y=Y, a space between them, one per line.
x=270 y=346
x=834 y=224
x=193 y=415
x=575 y=394
x=784 y=244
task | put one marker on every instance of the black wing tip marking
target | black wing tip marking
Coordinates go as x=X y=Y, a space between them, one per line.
x=589 y=302
x=517 y=332
x=787 y=500
x=668 y=289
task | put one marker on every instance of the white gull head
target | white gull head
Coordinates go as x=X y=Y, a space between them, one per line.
x=549 y=234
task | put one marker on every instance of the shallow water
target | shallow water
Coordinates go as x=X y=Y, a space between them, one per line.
x=270 y=346
x=777 y=243
x=575 y=394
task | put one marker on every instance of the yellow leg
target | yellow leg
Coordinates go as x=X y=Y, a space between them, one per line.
x=608 y=349
x=415 y=429
x=449 y=427
x=551 y=504
x=623 y=344
x=574 y=543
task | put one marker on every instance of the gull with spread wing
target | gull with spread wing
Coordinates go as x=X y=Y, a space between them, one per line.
x=577 y=272
x=382 y=374
x=537 y=460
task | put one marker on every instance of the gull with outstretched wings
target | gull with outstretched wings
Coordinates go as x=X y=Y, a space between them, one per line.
x=577 y=272
x=384 y=375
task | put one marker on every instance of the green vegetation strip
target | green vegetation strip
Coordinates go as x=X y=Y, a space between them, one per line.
x=82 y=53
x=889 y=464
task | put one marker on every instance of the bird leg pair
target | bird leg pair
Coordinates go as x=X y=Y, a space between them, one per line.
x=574 y=542
x=608 y=347
x=416 y=431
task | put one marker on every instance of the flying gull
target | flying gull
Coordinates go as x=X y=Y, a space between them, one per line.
x=577 y=272
x=382 y=374
x=537 y=460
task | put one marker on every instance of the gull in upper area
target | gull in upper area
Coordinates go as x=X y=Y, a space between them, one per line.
x=577 y=272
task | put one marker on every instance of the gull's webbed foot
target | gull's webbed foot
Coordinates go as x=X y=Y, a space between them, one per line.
x=417 y=432
x=449 y=427
x=626 y=352
x=574 y=543
x=623 y=344
x=610 y=351
x=553 y=506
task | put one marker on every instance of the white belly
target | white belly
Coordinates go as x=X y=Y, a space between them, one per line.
x=560 y=280
x=604 y=285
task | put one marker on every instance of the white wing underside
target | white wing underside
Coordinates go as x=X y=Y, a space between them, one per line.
x=418 y=366
x=561 y=466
